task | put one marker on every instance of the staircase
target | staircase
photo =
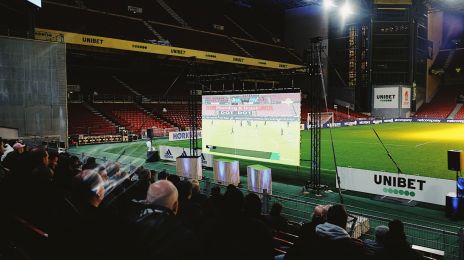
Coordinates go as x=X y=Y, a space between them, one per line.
x=448 y=60
x=100 y=114
x=240 y=27
x=151 y=29
x=151 y=114
x=240 y=47
x=455 y=111
x=173 y=14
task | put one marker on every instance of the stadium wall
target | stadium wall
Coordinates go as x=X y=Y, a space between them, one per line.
x=33 y=87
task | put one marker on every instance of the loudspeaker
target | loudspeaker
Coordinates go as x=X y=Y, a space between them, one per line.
x=150 y=133
x=455 y=160
x=153 y=156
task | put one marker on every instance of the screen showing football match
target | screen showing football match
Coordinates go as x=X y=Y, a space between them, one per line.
x=261 y=127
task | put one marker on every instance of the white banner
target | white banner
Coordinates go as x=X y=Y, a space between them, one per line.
x=386 y=97
x=406 y=98
x=183 y=135
x=170 y=153
x=410 y=187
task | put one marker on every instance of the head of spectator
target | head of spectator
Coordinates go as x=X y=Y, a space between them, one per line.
x=53 y=160
x=185 y=191
x=215 y=191
x=74 y=164
x=276 y=209
x=174 y=179
x=337 y=215
x=163 y=175
x=233 y=201
x=380 y=234
x=102 y=172
x=163 y=193
x=320 y=213
x=113 y=170
x=19 y=148
x=144 y=174
x=39 y=158
x=195 y=186
x=90 y=163
x=396 y=230
x=252 y=206
x=88 y=189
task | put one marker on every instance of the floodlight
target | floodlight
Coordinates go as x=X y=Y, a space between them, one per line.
x=328 y=4
x=346 y=10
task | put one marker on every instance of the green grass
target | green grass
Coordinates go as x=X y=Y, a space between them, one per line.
x=418 y=148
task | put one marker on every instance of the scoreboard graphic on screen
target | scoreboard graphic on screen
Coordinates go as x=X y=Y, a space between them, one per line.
x=262 y=127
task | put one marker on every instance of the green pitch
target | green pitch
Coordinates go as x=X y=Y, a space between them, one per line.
x=272 y=142
x=418 y=148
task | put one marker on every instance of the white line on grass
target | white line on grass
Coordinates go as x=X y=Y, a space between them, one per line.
x=424 y=143
x=353 y=142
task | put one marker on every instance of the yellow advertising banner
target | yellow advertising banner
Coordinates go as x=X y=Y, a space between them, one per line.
x=104 y=42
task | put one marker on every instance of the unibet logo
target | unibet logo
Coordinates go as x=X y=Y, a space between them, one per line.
x=168 y=154
x=386 y=98
x=399 y=182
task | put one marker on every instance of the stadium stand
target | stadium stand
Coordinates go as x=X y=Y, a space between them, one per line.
x=178 y=114
x=131 y=116
x=84 y=121
x=441 y=105
x=117 y=22
x=460 y=114
x=74 y=19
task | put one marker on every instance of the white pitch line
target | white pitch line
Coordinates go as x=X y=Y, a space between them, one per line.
x=354 y=142
x=424 y=143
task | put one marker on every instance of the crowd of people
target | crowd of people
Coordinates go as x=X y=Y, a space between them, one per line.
x=98 y=211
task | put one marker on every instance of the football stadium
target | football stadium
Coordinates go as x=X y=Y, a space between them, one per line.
x=231 y=129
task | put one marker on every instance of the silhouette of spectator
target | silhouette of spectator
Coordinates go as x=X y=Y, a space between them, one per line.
x=307 y=235
x=158 y=233
x=396 y=246
x=374 y=247
x=332 y=240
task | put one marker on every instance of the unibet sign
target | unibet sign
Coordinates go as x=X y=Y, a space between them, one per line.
x=386 y=97
x=418 y=188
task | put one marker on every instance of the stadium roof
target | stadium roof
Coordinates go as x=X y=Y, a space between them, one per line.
x=447 y=5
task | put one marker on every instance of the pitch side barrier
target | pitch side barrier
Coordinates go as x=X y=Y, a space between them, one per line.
x=390 y=120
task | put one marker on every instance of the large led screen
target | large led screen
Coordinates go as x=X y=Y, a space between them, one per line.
x=260 y=127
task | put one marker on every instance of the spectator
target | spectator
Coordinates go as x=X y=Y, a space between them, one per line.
x=332 y=240
x=158 y=233
x=7 y=149
x=275 y=218
x=307 y=236
x=14 y=160
x=374 y=247
x=252 y=207
x=396 y=246
x=90 y=164
x=251 y=238
x=3 y=170
x=174 y=179
x=163 y=175
x=85 y=222
x=197 y=197
x=52 y=160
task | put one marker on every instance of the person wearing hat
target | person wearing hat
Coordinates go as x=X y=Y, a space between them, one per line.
x=14 y=159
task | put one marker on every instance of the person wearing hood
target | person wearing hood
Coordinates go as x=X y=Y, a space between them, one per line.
x=332 y=240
